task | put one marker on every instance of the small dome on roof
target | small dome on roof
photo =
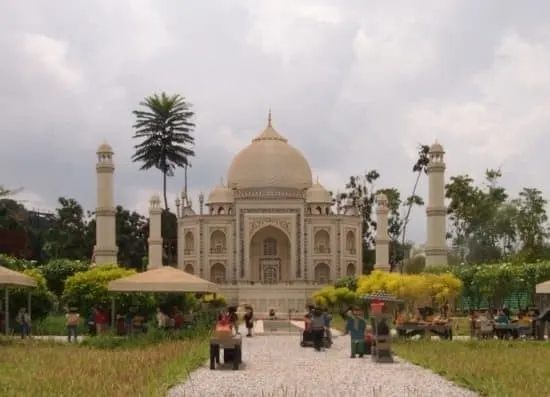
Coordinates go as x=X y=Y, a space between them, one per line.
x=436 y=148
x=105 y=148
x=221 y=194
x=318 y=194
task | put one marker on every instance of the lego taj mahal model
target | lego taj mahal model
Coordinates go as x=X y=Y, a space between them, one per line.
x=269 y=235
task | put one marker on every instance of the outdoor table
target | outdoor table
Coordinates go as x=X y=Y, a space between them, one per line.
x=232 y=351
x=444 y=331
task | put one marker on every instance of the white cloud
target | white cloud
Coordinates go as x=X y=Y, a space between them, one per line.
x=49 y=56
x=506 y=112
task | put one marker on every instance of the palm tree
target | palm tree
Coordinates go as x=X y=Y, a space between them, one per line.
x=420 y=167
x=164 y=125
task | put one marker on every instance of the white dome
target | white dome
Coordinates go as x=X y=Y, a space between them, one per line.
x=269 y=162
x=317 y=194
x=104 y=148
x=221 y=194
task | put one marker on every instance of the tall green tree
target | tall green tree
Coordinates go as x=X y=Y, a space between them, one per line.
x=395 y=224
x=531 y=222
x=164 y=126
x=419 y=168
x=359 y=194
x=67 y=237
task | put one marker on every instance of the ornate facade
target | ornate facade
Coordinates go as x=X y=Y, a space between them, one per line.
x=269 y=235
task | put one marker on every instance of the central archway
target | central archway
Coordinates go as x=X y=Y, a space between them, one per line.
x=270 y=256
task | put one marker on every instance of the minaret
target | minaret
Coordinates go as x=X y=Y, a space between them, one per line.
x=201 y=203
x=382 y=239
x=436 y=213
x=155 y=233
x=105 y=250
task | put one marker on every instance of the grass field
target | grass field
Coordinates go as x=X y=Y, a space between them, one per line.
x=34 y=368
x=492 y=368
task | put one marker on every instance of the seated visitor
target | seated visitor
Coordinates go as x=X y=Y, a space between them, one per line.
x=177 y=316
x=317 y=327
x=502 y=317
x=138 y=323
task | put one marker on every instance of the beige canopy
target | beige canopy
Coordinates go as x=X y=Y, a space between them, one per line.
x=543 y=288
x=13 y=278
x=162 y=279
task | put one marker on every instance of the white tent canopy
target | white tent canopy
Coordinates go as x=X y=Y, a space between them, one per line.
x=15 y=279
x=162 y=279
x=543 y=288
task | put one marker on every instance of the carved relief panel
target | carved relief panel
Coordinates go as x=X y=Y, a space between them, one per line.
x=284 y=222
x=218 y=238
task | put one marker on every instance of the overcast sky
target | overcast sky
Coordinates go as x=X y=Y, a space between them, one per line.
x=354 y=84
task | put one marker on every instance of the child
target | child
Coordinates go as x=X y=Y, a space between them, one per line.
x=72 y=318
x=249 y=320
x=356 y=327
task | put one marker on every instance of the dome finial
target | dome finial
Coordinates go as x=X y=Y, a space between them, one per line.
x=221 y=180
x=318 y=180
x=269 y=118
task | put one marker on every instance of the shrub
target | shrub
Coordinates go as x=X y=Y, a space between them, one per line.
x=333 y=297
x=16 y=264
x=58 y=270
x=214 y=301
x=413 y=288
x=87 y=289
x=42 y=299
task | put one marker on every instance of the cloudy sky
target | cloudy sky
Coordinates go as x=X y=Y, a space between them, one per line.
x=355 y=84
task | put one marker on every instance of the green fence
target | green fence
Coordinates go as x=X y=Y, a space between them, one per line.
x=515 y=301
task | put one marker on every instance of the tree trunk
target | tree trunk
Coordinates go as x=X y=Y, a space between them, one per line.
x=406 y=221
x=185 y=180
x=164 y=191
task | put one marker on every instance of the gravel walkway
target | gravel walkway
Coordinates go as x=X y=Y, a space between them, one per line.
x=276 y=366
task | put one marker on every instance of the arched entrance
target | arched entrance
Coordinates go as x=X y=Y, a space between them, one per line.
x=270 y=256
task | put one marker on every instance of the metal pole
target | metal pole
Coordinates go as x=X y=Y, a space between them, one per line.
x=113 y=310
x=6 y=310
x=29 y=309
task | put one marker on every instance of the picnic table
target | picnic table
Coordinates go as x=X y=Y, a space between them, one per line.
x=483 y=328
x=232 y=351
x=424 y=329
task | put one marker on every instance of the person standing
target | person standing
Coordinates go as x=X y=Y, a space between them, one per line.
x=328 y=322
x=72 y=319
x=249 y=320
x=356 y=327
x=24 y=321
